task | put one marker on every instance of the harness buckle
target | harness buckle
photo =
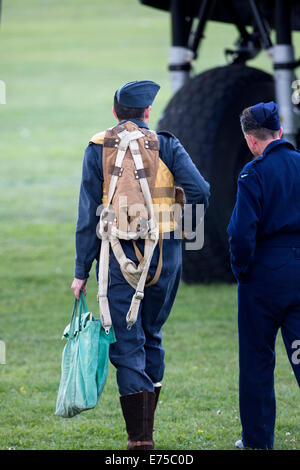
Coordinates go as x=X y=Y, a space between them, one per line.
x=139 y=295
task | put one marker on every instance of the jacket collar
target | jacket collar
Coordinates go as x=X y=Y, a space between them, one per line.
x=275 y=143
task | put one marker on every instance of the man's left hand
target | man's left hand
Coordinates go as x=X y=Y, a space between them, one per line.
x=77 y=286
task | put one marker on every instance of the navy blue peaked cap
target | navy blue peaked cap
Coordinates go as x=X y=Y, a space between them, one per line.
x=138 y=94
x=266 y=114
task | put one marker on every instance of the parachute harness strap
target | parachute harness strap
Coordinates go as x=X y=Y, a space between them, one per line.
x=134 y=275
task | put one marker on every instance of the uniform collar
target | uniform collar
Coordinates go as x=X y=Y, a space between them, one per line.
x=274 y=144
x=138 y=122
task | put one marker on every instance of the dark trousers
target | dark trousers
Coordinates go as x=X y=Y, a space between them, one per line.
x=268 y=300
x=138 y=354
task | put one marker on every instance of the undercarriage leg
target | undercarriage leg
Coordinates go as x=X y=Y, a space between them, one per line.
x=284 y=70
x=180 y=55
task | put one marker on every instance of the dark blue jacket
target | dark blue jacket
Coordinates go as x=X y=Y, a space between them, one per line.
x=173 y=155
x=267 y=209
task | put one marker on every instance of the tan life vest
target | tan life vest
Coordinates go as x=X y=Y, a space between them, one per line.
x=139 y=201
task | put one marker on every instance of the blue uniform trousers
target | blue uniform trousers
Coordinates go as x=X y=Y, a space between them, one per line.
x=268 y=300
x=138 y=354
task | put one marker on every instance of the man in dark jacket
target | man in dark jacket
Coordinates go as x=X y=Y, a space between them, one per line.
x=265 y=257
x=138 y=354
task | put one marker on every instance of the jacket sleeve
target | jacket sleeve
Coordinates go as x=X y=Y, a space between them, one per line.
x=90 y=197
x=244 y=223
x=186 y=174
x=197 y=190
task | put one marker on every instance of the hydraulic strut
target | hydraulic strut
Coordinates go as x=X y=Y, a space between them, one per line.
x=284 y=69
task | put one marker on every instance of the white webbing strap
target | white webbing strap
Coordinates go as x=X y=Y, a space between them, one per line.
x=133 y=311
x=138 y=161
x=135 y=275
x=103 y=285
x=150 y=243
x=104 y=251
x=125 y=137
x=130 y=271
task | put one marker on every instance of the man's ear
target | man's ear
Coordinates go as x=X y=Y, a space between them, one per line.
x=114 y=112
x=252 y=143
x=147 y=112
x=251 y=140
x=280 y=132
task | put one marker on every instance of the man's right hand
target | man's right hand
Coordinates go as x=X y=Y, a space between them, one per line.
x=77 y=286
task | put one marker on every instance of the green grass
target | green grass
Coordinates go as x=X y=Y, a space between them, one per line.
x=62 y=62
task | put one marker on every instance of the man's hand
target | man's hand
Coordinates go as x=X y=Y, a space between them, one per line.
x=77 y=286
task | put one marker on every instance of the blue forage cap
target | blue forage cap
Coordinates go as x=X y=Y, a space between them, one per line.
x=138 y=94
x=266 y=114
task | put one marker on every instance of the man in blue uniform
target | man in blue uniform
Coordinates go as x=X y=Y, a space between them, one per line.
x=265 y=257
x=138 y=354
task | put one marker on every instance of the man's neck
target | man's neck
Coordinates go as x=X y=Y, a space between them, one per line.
x=145 y=121
x=264 y=144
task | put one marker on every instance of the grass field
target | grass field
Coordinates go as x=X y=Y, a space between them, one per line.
x=61 y=62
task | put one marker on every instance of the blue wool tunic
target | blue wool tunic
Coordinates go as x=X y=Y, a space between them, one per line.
x=265 y=257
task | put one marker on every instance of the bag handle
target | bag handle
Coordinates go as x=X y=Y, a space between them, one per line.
x=83 y=302
x=73 y=319
x=81 y=306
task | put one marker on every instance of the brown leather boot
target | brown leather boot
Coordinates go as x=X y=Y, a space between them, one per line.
x=138 y=411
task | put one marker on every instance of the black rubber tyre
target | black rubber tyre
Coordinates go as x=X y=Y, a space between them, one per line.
x=204 y=115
